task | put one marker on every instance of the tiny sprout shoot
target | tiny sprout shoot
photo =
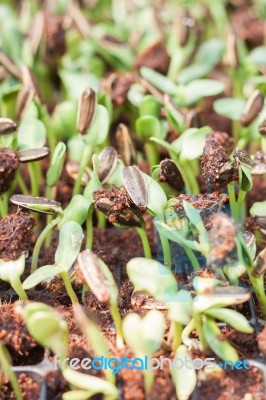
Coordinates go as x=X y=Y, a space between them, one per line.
x=5 y=366
x=11 y=271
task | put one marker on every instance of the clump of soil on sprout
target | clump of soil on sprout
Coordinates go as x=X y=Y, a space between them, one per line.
x=15 y=235
x=207 y=204
x=117 y=206
x=9 y=164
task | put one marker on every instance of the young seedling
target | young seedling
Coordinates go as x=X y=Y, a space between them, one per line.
x=5 y=367
x=184 y=151
x=153 y=278
x=70 y=239
x=99 y=279
x=208 y=306
x=125 y=145
x=11 y=271
x=143 y=340
x=47 y=327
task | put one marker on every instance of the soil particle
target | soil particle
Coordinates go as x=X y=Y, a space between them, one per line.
x=15 y=336
x=261 y=339
x=8 y=165
x=154 y=57
x=15 y=235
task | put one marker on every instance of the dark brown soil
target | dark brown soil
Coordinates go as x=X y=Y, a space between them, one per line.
x=15 y=336
x=261 y=338
x=248 y=27
x=30 y=389
x=118 y=85
x=8 y=165
x=15 y=235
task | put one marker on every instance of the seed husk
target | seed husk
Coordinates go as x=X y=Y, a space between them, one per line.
x=262 y=128
x=125 y=145
x=136 y=186
x=242 y=157
x=72 y=169
x=10 y=66
x=260 y=265
x=253 y=107
x=90 y=266
x=86 y=110
x=169 y=172
x=7 y=126
x=183 y=24
x=107 y=163
x=32 y=154
x=37 y=204
x=240 y=294
x=231 y=49
x=192 y=119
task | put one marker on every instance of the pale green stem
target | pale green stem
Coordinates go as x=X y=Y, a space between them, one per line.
x=118 y=325
x=232 y=200
x=22 y=185
x=144 y=240
x=83 y=164
x=193 y=259
x=166 y=250
x=5 y=366
x=89 y=229
x=69 y=288
x=17 y=286
x=34 y=179
x=40 y=240
x=198 y=324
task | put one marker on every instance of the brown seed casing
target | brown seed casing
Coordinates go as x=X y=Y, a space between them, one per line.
x=231 y=49
x=136 y=186
x=253 y=107
x=242 y=157
x=7 y=126
x=107 y=163
x=125 y=145
x=170 y=174
x=31 y=202
x=8 y=166
x=32 y=154
x=262 y=128
x=86 y=110
x=260 y=266
x=182 y=26
x=90 y=267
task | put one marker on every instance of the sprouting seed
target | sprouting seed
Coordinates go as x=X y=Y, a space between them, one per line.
x=86 y=110
x=37 y=204
x=32 y=154
x=107 y=163
x=242 y=157
x=260 y=265
x=7 y=126
x=253 y=107
x=136 y=186
x=170 y=173
x=90 y=267
x=72 y=169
